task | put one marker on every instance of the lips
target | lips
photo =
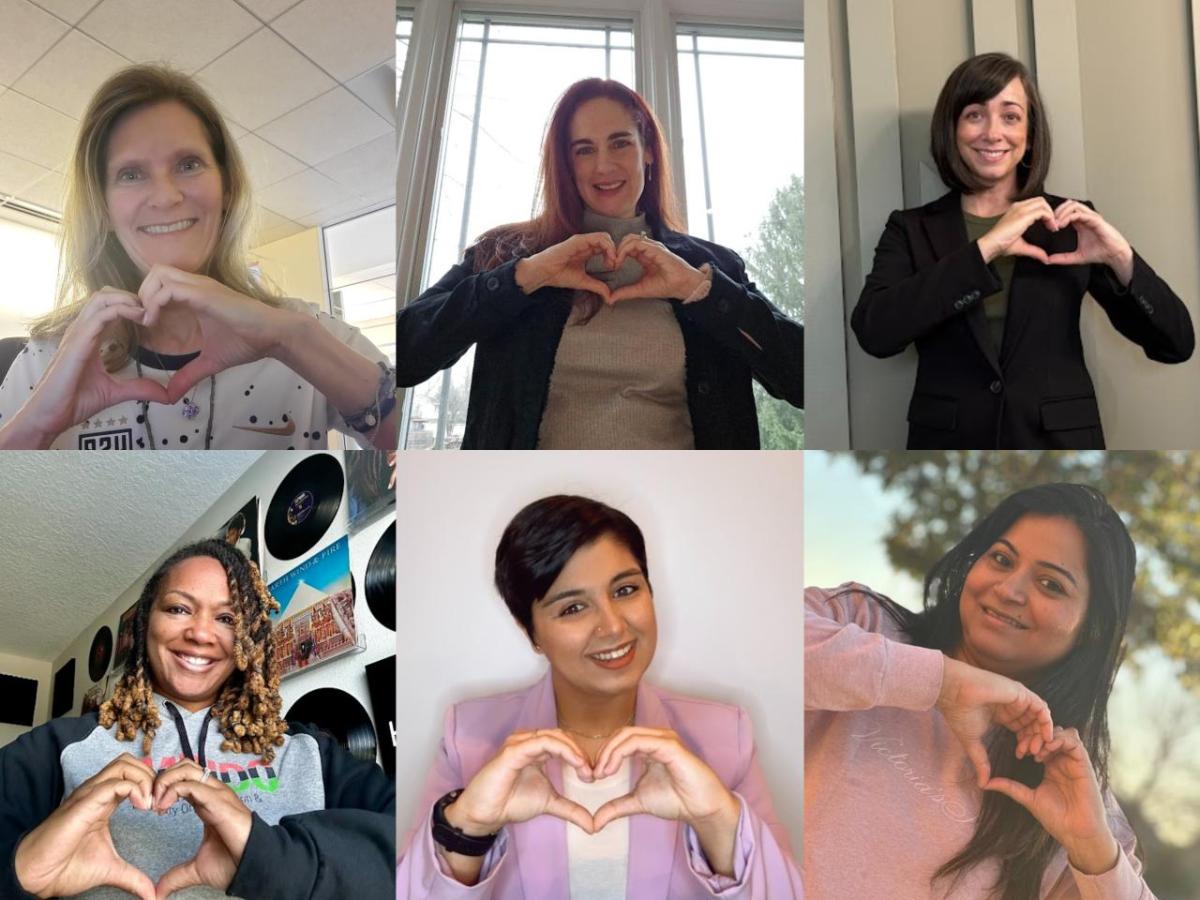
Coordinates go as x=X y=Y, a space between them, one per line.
x=607 y=188
x=168 y=227
x=1001 y=618
x=617 y=657
x=991 y=155
x=193 y=663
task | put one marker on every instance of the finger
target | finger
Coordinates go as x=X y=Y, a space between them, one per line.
x=657 y=748
x=132 y=880
x=101 y=799
x=138 y=389
x=129 y=769
x=176 y=879
x=1014 y=790
x=617 y=808
x=570 y=811
x=184 y=770
x=977 y=753
x=570 y=741
x=527 y=752
x=1074 y=258
x=1021 y=247
x=596 y=287
x=188 y=376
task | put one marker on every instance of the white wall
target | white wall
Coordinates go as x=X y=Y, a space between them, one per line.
x=345 y=672
x=40 y=671
x=723 y=541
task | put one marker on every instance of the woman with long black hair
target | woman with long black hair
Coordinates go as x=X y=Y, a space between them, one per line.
x=962 y=751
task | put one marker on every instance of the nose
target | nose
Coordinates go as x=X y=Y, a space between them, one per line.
x=201 y=629
x=164 y=191
x=610 y=620
x=1014 y=589
x=992 y=128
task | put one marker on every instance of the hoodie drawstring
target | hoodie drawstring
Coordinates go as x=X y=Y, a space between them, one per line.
x=183 y=735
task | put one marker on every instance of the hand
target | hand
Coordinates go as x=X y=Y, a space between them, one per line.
x=1099 y=242
x=1067 y=802
x=563 y=265
x=227 y=822
x=72 y=851
x=76 y=386
x=234 y=329
x=1006 y=237
x=664 y=275
x=513 y=786
x=973 y=701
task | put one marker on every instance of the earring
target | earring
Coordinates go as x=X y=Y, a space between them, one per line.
x=649 y=173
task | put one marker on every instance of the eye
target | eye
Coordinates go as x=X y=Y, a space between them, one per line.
x=1000 y=558
x=571 y=609
x=1053 y=585
x=626 y=590
x=972 y=114
x=580 y=151
x=191 y=164
x=226 y=619
x=621 y=143
x=126 y=176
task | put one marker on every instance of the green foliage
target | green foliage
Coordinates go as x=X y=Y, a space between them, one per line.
x=1156 y=493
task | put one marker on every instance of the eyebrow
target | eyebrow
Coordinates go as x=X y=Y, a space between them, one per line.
x=615 y=134
x=578 y=592
x=1041 y=562
x=224 y=604
x=120 y=163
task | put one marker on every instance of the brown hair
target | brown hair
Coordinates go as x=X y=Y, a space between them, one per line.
x=560 y=210
x=248 y=705
x=92 y=257
x=977 y=80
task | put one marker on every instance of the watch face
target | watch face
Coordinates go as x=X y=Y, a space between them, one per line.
x=300 y=508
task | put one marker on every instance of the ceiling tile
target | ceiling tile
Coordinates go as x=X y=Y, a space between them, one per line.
x=368 y=170
x=267 y=164
x=302 y=194
x=326 y=126
x=18 y=174
x=67 y=76
x=263 y=78
x=268 y=9
x=335 y=213
x=33 y=131
x=377 y=88
x=272 y=227
x=28 y=32
x=346 y=37
x=69 y=10
x=183 y=33
x=47 y=192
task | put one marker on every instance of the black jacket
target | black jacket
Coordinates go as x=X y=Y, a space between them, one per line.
x=516 y=337
x=926 y=285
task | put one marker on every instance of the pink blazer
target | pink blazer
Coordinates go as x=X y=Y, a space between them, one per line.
x=529 y=860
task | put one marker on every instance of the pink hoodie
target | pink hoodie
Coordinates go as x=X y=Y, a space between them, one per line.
x=889 y=794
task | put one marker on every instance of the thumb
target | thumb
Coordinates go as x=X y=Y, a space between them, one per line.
x=617 y=808
x=1014 y=790
x=188 y=377
x=1021 y=247
x=977 y=753
x=132 y=879
x=177 y=878
x=570 y=811
x=138 y=389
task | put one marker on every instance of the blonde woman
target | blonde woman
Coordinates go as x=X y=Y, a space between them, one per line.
x=161 y=337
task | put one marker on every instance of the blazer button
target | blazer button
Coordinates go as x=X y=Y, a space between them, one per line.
x=703 y=388
x=960 y=303
x=996 y=387
x=493 y=283
x=723 y=305
x=974 y=295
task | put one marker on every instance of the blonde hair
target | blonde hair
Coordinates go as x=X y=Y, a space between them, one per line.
x=92 y=257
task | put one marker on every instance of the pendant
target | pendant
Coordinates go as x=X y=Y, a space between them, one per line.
x=190 y=409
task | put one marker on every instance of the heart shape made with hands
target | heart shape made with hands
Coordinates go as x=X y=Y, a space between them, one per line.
x=643 y=269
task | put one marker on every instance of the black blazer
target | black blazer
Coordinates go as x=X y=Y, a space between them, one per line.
x=926 y=285
x=516 y=337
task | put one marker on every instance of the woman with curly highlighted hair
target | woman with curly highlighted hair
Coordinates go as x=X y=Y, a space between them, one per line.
x=223 y=794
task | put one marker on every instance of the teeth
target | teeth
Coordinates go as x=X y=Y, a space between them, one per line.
x=609 y=187
x=167 y=229
x=194 y=660
x=613 y=654
x=1003 y=618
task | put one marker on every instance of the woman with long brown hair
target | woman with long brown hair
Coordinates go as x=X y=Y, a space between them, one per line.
x=598 y=324
x=162 y=337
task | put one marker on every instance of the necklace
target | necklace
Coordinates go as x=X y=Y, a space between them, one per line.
x=596 y=737
x=190 y=410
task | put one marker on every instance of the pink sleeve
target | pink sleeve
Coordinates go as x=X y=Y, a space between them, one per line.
x=849 y=663
x=420 y=873
x=1122 y=882
x=763 y=866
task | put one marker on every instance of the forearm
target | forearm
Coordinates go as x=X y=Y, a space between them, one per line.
x=464 y=869
x=22 y=434
x=718 y=837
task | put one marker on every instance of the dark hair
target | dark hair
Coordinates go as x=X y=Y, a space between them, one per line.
x=1076 y=687
x=978 y=80
x=248 y=705
x=543 y=536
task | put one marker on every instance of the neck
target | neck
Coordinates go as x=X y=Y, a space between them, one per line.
x=992 y=201
x=592 y=714
x=176 y=331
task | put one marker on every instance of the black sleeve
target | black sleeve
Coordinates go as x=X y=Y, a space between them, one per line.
x=1147 y=311
x=437 y=328
x=346 y=850
x=748 y=324
x=899 y=304
x=31 y=788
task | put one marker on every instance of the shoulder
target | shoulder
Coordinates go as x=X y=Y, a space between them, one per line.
x=949 y=202
x=493 y=717
x=719 y=733
x=697 y=250
x=47 y=742
x=853 y=603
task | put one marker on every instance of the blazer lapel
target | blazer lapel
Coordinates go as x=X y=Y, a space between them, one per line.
x=1022 y=310
x=947 y=232
x=652 y=841
x=541 y=843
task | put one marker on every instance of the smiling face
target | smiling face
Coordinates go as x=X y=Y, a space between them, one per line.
x=189 y=639
x=607 y=157
x=163 y=187
x=1024 y=600
x=596 y=623
x=991 y=137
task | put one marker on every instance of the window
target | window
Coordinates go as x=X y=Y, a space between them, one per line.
x=29 y=259
x=404 y=23
x=508 y=71
x=756 y=210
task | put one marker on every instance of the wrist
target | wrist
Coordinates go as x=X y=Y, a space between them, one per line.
x=723 y=820
x=292 y=331
x=986 y=250
x=461 y=819
x=23 y=433
x=1094 y=856
x=527 y=275
x=1122 y=265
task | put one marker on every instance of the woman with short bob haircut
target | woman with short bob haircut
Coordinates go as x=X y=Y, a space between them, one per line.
x=1002 y=792
x=988 y=280
x=162 y=336
x=247 y=804
x=592 y=783
x=597 y=323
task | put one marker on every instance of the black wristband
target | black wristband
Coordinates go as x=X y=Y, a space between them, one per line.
x=452 y=839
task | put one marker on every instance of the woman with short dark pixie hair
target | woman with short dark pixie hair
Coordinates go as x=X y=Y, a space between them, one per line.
x=988 y=280
x=592 y=784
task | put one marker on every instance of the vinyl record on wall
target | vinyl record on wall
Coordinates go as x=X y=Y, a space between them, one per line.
x=64 y=689
x=303 y=506
x=100 y=654
x=381 y=682
x=381 y=579
x=336 y=712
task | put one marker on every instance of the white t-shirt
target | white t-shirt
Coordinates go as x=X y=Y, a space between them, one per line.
x=598 y=864
x=261 y=405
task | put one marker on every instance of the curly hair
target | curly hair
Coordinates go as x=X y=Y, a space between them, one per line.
x=248 y=706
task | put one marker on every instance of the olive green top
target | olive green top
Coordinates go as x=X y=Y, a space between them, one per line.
x=995 y=307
